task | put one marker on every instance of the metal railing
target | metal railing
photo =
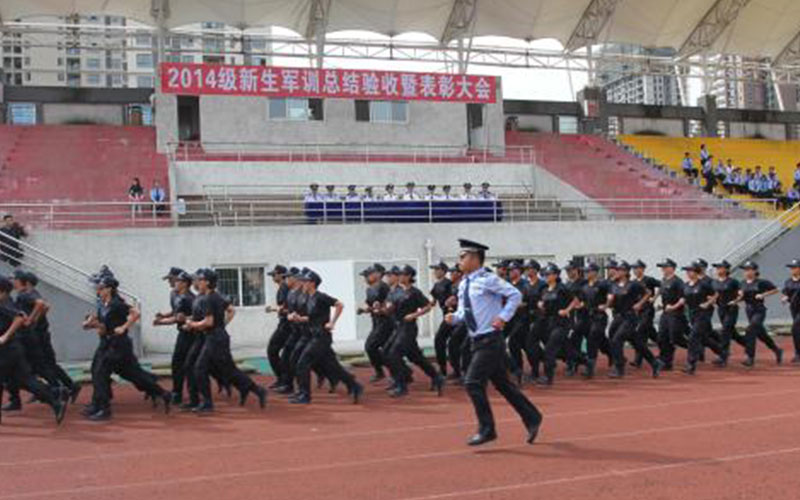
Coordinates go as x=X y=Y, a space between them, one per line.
x=355 y=153
x=763 y=237
x=298 y=190
x=260 y=211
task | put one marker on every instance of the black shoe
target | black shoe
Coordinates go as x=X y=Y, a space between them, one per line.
x=690 y=369
x=376 y=378
x=356 y=392
x=749 y=362
x=779 y=356
x=191 y=406
x=333 y=385
x=616 y=373
x=657 y=365
x=588 y=372
x=176 y=399
x=75 y=392
x=88 y=410
x=437 y=384
x=243 y=397
x=203 y=409
x=166 y=398
x=533 y=431
x=482 y=438
x=544 y=380
x=284 y=389
x=100 y=415
x=300 y=399
x=14 y=405
x=399 y=392
x=720 y=362
x=261 y=393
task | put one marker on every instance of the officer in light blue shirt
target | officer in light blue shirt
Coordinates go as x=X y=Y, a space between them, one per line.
x=485 y=303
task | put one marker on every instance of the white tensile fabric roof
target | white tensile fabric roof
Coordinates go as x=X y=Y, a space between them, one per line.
x=762 y=28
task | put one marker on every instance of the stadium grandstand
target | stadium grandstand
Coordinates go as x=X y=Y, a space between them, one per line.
x=238 y=135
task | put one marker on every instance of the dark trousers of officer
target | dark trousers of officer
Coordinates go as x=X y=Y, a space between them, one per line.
x=579 y=333
x=183 y=343
x=557 y=339
x=456 y=349
x=537 y=338
x=14 y=369
x=728 y=316
x=699 y=338
x=49 y=356
x=796 y=332
x=41 y=363
x=623 y=329
x=672 y=330
x=117 y=357
x=488 y=364
x=319 y=353
x=647 y=329
x=405 y=346
x=303 y=337
x=756 y=331
x=597 y=341
x=440 y=341
x=518 y=329
x=375 y=345
x=215 y=354
x=405 y=372
x=276 y=344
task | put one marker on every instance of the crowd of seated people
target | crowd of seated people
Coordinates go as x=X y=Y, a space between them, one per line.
x=754 y=182
x=389 y=194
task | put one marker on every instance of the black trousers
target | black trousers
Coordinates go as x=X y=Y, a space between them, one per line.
x=117 y=357
x=458 y=350
x=796 y=332
x=405 y=346
x=40 y=358
x=623 y=329
x=557 y=339
x=183 y=344
x=518 y=329
x=673 y=328
x=440 y=341
x=756 y=331
x=375 y=345
x=215 y=354
x=647 y=328
x=597 y=340
x=14 y=369
x=534 y=347
x=318 y=352
x=276 y=344
x=699 y=337
x=579 y=333
x=728 y=316
x=488 y=364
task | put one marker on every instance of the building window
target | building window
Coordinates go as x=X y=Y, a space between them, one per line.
x=93 y=63
x=245 y=286
x=382 y=111
x=60 y=61
x=143 y=40
x=144 y=60
x=93 y=79
x=295 y=109
x=60 y=77
x=144 y=81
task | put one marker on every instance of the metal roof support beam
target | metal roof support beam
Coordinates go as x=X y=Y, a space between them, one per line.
x=713 y=24
x=317 y=26
x=790 y=55
x=461 y=21
x=591 y=24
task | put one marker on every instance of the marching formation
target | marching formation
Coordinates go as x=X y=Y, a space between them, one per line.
x=510 y=326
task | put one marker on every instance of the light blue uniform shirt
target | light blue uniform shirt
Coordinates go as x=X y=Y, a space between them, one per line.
x=486 y=293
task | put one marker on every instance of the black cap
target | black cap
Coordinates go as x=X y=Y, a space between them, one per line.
x=794 y=263
x=278 y=269
x=703 y=263
x=394 y=270
x=694 y=265
x=611 y=264
x=410 y=185
x=723 y=263
x=431 y=187
x=390 y=186
x=516 y=264
x=6 y=285
x=749 y=265
x=468 y=185
x=309 y=275
x=314 y=185
x=591 y=266
x=446 y=187
x=104 y=271
x=455 y=269
x=293 y=272
x=533 y=264
x=667 y=263
x=471 y=246
x=501 y=264
x=441 y=265
x=551 y=268
x=623 y=265
x=205 y=273
x=379 y=268
x=639 y=263
x=351 y=187
x=485 y=184
x=20 y=275
x=366 y=272
x=108 y=281
x=32 y=278
x=572 y=264
x=172 y=273
x=408 y=271
x=330 y=187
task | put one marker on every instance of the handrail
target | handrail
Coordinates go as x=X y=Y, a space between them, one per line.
x=764 y=236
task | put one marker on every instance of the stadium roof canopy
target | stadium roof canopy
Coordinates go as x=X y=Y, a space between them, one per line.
x=759 y=28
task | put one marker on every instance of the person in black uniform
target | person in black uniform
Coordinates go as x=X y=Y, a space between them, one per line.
x=319 y=349
x=295 y=304
x=377 y=291
x=485 y=304
x=210 y=313
x=673 y=326
x=517 y=328
x=409 y=305
x=727 y=289
x=112 y=320
x=501 y=268
x=181 y=301
x=34 y=338
x=557 y=304
x=699 y=298
x=283 y=331
x=396 y=292
x=441 y=291
x=537 y=330
x=13 y=366
x=753 y=293
x=627 y=299
x=594 y=298
x=791 y=296
x=580 y=319
x=646 y=324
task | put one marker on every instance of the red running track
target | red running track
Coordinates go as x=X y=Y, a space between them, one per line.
x=723 y=434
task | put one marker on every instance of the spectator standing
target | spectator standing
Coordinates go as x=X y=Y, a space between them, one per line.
x=10 y=233
x=389 y=195
x=410 y=194
x=484 y=193
x=330 y=193
x=446 y=193
x=368 y=196
x=467 y=194
x=136 y=196
x=352 y=195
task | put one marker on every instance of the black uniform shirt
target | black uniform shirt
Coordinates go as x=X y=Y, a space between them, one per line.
x=281 y=297
x=556 y=299
x=441 y=291
x=25 y=302
x=113 y=314
x=408 y=301
x=791 y=288
x=393 y=298
x=319 y=310
x=211 y=304
x=728 y=290
x=521 y=314
x=651 y=284
x=182 y=303
x=576 y=290
x=595 y=295
x=672 y=292
x=696 y=294
x=8 y=313
x=756 y=287
x=377 y=293
x=626 y=296
x=532 y=296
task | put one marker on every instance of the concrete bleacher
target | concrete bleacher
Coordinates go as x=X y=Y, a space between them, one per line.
x=603 y=171
x=76 y=162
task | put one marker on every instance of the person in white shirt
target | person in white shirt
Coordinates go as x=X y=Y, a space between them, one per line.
x=797 y=176
x=688 y=167
x=467 y=194
x=485 y=194
x=313 y=194
x=705 y=156
x=431 y=194
x=352 y=195
x=410 y=194
x=367 y=196
x=330 y=194
x=446 y=193
x=389 y=195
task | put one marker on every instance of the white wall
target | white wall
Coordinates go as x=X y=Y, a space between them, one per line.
x=140 y=257
x=671 y=128
x=775 y=131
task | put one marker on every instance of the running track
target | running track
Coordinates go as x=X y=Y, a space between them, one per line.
x=732 y=434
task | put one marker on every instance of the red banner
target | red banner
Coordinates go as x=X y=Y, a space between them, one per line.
x=216 y=79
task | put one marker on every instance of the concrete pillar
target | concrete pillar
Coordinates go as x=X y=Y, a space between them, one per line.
x=594 y=114
x=709 y=105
